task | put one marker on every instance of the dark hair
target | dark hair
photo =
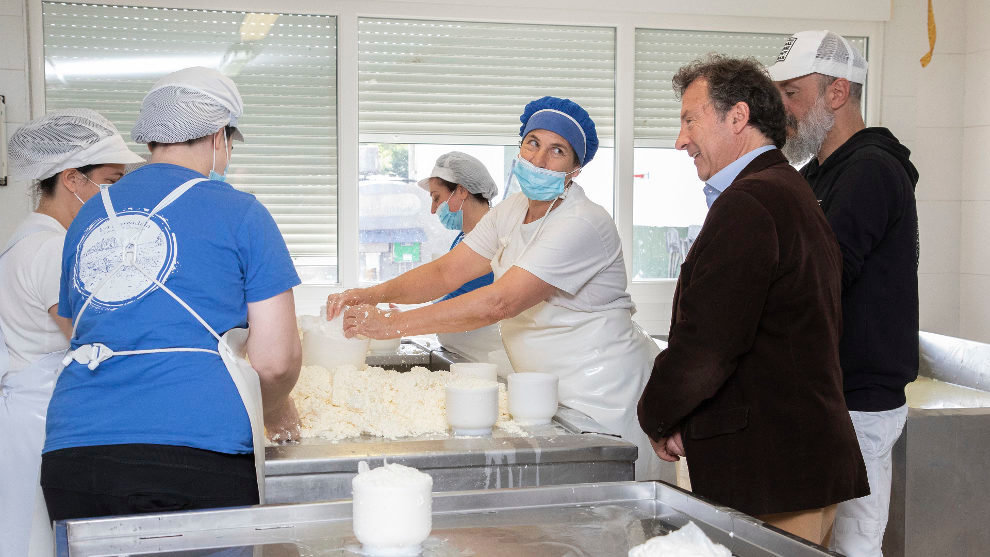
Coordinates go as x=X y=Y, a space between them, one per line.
x=452 y=186
x=734 y=80
x=47 y=186
x=229 y=129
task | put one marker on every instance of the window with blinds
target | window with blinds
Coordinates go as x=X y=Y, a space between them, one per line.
x=107 y=57
x=421 y=78
x=669 y=207
x=429 y=87
x=661 y=52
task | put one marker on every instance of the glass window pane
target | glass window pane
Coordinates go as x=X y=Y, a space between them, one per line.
x=107 y=58
x=397 y=230
x=429 y=87
x=669 y=206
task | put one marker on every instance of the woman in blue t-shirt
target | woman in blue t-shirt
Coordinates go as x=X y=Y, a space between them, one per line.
x=461 y=181
x=169 y=279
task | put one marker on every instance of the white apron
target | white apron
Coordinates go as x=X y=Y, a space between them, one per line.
x=603 y=358
x=473 y=345
x=230 y=347
x=24 y=397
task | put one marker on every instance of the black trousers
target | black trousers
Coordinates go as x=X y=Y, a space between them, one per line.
x=105 y=480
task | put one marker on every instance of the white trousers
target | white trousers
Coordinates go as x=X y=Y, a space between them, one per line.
x=860 y=523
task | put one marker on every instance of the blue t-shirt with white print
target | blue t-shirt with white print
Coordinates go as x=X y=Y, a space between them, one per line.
x=217 y=249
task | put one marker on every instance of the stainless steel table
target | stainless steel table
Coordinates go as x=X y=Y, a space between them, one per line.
x=595 y=520
x=564 y=452
x=938 y=503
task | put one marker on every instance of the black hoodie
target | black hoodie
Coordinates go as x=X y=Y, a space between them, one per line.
x=866 y=188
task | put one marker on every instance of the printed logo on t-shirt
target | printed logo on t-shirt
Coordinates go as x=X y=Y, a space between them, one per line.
x=117 y=265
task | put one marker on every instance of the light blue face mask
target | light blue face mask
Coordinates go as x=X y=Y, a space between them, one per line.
x=213 y=173
x=452 y=220
x=539 y=184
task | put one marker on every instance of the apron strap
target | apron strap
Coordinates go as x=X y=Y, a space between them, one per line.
x=92 y=355
x=24 y=234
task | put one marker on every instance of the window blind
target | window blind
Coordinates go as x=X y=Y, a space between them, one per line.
x=107 y=58
x=660 y=53
x=447 y=78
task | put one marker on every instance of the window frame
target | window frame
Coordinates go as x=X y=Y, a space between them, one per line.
x=653 y=297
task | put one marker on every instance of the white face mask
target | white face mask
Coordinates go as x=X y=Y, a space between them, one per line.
x=101 y=186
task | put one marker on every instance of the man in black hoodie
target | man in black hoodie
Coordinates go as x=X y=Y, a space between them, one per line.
x=865 y=183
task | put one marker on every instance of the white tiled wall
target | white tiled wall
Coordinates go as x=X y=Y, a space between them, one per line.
x=15 y=202
x=975 y=238
x=933 y=152
x=924 y=108
x=976 y=177
x=939 y=224
x=974 y=307
x=974 y=283
x=940 y=313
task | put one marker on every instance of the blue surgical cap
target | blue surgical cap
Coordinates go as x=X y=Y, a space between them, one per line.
x=565 y=118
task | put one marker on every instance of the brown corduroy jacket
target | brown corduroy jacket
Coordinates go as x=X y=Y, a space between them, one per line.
x=751 y=374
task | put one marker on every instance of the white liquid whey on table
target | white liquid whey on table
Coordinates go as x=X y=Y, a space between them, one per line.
x=392 y=509
x=689 y=541
x=346 y=402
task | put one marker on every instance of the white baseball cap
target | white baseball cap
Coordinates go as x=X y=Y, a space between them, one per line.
x=821 y=52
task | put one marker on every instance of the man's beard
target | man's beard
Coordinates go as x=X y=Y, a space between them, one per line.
x=809 y=133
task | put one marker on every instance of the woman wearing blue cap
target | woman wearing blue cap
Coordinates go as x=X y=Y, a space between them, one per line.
x=560 y=282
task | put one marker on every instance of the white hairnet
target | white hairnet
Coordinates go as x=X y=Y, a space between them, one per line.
x=188 y=104
x=63 y=139
x=461 y=168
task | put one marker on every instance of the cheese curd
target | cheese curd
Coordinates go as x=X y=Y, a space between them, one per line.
x=688 y=541
x=347 y=402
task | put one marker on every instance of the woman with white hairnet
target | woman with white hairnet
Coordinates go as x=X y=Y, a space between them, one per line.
x=462 y=181
x=560 y=282
x=69 y=154
x=157 y=409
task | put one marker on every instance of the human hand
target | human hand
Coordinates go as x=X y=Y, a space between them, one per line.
x=282 y=425
x=337 y=302
x=664 y=448
x=675 y=445
x=372 y=322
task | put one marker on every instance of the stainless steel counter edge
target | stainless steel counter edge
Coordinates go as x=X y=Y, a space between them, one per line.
x=287 y=515
x=450 y=452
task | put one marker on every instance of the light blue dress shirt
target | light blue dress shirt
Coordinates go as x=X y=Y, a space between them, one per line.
x=724 y=178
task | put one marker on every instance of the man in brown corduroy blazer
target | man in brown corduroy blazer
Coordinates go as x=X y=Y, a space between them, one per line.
x=749 y=387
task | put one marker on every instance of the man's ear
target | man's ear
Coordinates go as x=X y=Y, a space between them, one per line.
x=837 y=94
x=738 y=116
